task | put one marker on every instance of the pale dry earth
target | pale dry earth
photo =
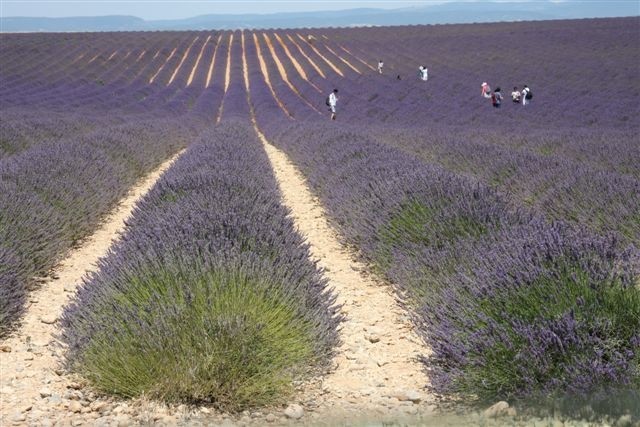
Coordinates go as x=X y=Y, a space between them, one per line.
x=376 y=371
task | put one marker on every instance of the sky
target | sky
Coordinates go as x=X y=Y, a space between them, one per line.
x=172 y=9
x=178 y=9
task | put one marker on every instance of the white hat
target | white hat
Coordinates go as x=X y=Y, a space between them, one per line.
x=484 y=83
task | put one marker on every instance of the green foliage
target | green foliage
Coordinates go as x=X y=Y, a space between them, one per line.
x=222 y=337
x=501 y=176
x=547 y=149
x=606 y=311
x=424 y=226
x=629 y=225
x=9 y=146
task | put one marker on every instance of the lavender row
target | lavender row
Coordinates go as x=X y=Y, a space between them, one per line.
x=210 y=282
x=120 y=74
x=597 y=195
x=80 y=57
x=511 y=306
x=21 y=128
x=55 y=193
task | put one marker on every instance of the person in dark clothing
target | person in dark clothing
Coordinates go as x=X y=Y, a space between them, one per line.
x=496 y=98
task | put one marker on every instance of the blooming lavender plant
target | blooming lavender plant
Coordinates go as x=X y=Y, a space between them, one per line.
x=545 y=310
x=210 y=295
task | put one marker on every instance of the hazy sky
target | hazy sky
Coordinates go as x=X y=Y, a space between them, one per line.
x=168 y=9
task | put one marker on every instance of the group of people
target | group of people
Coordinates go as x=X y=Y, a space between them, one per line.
x=517 y=97
x=523 y=96
x=423 y=72
x=332 y=99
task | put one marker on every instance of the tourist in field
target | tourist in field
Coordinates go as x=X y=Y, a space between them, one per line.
x=526 y=95
x=515 y=95
x=486 y=90
x=398 y=77
x=380 y=65
x=496 y=98
x=425 y=74
x=332 y=101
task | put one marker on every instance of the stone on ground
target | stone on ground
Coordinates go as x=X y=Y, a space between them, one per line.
x=294 y=411
x=499 y=409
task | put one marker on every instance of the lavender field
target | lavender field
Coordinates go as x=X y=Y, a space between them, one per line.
x=511 y=235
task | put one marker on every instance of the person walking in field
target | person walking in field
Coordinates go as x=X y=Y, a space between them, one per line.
x=486 y=90
x=515 y=95
x=380 y=65
x=496 y=98
x=425 y=74
x=332 y=100
x=526 y=95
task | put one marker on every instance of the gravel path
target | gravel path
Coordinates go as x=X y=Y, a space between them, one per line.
x=376 y=372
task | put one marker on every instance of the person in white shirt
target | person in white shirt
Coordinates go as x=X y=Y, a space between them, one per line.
x=525 y=93
x=515 y=95
x=425 y=74
x=333 y=100
x=380 y=65
x=486 y=90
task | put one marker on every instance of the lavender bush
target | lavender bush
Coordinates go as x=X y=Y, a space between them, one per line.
x=70 y=148
x=210 y=295
x=544 y=310
x=20 y=128
x=12 y=291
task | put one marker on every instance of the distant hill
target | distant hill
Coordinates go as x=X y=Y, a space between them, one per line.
x=463 y=12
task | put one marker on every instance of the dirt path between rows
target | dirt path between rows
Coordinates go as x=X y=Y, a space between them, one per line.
x=33 y=389
x=376 y=373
